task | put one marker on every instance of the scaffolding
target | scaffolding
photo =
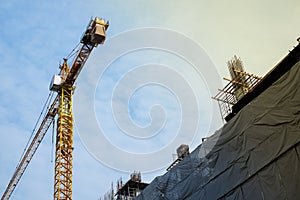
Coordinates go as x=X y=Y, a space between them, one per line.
x=128 y=191
x=132 y=188
x=239 y=85
x=110 y=194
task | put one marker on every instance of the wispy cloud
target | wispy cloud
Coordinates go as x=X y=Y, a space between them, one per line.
x=35 y=36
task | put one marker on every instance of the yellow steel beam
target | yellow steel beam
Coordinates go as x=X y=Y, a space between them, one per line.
x=64 y=146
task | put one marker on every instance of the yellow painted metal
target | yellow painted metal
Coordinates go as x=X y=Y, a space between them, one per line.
x=61 y=106
x=64 y=146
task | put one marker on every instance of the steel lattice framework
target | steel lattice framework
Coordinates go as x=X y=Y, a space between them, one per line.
x=64 y=146
x=46 y=123
x=62 y=108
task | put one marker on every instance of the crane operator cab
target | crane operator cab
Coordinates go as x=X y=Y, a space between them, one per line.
x=96 y=32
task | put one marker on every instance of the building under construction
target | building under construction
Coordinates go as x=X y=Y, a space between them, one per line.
x=256 y=154
x=126 y=191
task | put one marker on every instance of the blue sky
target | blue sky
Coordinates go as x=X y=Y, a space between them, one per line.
x=36 y=35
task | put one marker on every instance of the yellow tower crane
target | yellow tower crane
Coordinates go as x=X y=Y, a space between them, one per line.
x=61 y=107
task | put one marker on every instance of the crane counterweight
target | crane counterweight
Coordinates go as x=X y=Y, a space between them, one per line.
x=96 y=32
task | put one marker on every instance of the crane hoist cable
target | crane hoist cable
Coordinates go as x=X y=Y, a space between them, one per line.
x=45 y=107
x=73 y=52
x=52 y=141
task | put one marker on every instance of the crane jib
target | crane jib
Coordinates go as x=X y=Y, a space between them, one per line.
x=47 y=121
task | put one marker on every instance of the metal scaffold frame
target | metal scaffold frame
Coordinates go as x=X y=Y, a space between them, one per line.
x=235 y=90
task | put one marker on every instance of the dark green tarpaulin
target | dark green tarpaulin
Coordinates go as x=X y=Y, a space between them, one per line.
x=256 y=155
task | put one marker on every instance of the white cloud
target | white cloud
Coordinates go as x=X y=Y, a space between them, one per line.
x=35 y=36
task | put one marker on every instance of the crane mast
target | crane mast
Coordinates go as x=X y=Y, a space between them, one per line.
x=62 y=107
